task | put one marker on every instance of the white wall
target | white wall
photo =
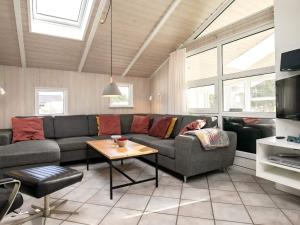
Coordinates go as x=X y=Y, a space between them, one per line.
x=84 y=92
x=287 y=37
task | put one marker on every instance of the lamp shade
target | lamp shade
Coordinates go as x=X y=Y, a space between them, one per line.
x=111 y=90
x=2 y=91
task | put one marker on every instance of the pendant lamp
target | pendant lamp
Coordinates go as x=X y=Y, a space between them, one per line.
x=111 y=89
x=2 y=91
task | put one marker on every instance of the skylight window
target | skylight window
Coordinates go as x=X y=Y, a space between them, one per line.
x=61 y=18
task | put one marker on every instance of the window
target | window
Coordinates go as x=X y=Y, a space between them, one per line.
x=49 y=101
x=126 y=100
x=202 y=65
x=62 y=18
x=250 y=94
x=253 y=52
x=238 y=10
x=201 y=97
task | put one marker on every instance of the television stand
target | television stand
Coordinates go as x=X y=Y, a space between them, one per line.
x=287 y=178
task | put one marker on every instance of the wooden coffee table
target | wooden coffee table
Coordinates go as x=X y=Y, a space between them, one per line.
x=112 y=152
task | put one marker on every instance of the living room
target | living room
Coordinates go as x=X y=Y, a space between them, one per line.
x=149 y=112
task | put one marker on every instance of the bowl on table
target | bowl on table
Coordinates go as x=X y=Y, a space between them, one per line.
x=115 y=137
x=121 y=142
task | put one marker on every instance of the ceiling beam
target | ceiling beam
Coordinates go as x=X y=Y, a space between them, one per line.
x=208 y=22
x=88 y=44
x=18 y=16
x=153 y=33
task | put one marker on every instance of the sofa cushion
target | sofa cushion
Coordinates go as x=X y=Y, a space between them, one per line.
x=109 y=124
x=188 y=119
x=101 y=137
x=73 y=143
x=71 y=126
x=165 y=147
x=177 y=126
x=126 y=121
x=160 y=127
x=29 y=153
x=140 y=124
x=143 y=139
x=92 y=122
x=26 y=129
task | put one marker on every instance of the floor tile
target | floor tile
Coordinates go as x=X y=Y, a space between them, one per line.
x=193 y=221
x=195 y=209
x=70 y=223
x=80 y=194
x=263 y=215
x=221 y=185
x=195 y=194
x=62 y=192
x=219 y=222
x=197 y=182
x=41 y=220
x=242 y=177
x=172 y=181
x=102 y=197
x=293 y=215
x=143 y=188
x=119 y=216
x=248 y=187
x=255 y=199
x=225 y=197
x=228 y=212
x=168 y=191
x=95 y=183
x=218 y=175
x=90 y=214
x=286 y=201
x=68 y=206
x=133 y=201
x=156 y=218
x=163 y=205
x=270 y=189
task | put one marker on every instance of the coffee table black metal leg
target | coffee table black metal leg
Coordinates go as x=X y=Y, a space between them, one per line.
x=156 y=170
x=87 y=158
x=110 y=179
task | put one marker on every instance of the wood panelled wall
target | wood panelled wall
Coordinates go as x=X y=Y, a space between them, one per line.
x=84 y=92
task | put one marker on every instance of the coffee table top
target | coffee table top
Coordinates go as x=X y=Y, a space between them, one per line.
x=112 y=151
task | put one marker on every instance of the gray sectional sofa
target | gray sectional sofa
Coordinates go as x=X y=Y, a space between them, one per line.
x=66 y=138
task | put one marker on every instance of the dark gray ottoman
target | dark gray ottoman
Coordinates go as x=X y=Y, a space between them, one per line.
x=42 y=181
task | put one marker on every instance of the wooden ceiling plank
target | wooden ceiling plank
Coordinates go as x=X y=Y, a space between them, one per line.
x=91 y=36
x=207 y=22
x=18 y=16
x=156 y=29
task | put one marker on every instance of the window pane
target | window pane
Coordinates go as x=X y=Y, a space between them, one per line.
x=251 y=94
x=50 y=102
x=201 y=97
x=125 y=99
x=238 y=10
x=253 y=52
x=202 y=65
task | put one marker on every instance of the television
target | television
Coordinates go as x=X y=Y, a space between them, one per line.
x=288 y=98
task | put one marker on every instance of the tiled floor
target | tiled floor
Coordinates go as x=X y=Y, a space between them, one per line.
x=218 y=198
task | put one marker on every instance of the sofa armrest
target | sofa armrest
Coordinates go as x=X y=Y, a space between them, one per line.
x=5 y=137
x=192 y=159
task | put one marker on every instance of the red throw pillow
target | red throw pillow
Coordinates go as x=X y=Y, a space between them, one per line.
x=109 y=124
x=160 y=127
x=195 y=125
x=26 y=129
x=140 y=125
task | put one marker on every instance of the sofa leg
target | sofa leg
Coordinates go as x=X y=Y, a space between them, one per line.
x=184 y=179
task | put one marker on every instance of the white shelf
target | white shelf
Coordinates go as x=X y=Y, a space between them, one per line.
x=278 y=173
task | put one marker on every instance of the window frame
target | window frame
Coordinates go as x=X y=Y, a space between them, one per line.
x=130 y=96
x=218 y=81
x=65 y=100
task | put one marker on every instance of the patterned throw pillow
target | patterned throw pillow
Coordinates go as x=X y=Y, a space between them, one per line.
x=25 y=129
x=140 y=125
x=195 y=125
x=109 y=124
x=160 y=127
x=171 y=127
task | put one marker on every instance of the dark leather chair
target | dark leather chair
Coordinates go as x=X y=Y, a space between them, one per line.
x=10 y=199
x=40 y=182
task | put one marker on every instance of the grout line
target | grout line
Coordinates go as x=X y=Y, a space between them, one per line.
x=177 y=215
x=211 y=203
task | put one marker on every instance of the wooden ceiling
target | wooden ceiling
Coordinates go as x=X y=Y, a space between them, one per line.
x=133 y=21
